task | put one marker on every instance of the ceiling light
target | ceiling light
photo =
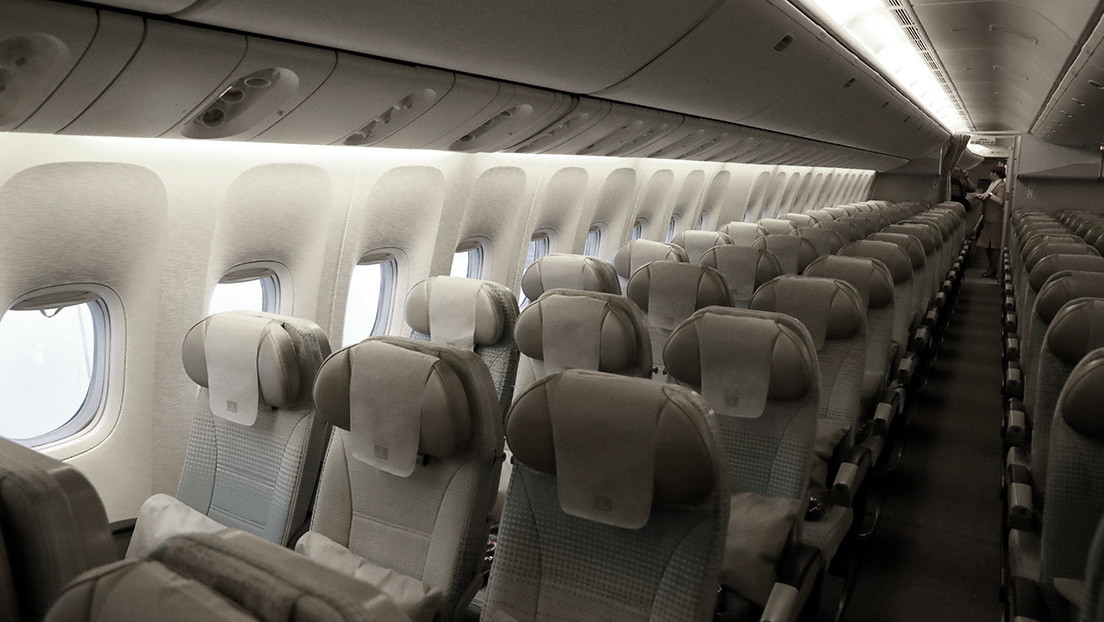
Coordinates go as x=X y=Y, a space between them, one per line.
x=872 y=26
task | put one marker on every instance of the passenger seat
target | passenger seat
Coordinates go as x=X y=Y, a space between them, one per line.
x=634 y=255
x=744 y=268
x=696 y=243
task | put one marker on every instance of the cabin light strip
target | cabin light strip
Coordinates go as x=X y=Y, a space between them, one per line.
x=885 y=30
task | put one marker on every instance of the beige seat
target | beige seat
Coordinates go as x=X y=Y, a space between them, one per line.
x=821 y=216
x=411 y=471
x=743 y=233
x=668 y=292
x=923 y=276
x=744 y=268
x=800 y=220
x=558 y=271
x=777 y=226
x=617 y=507
x=793 y=252
x=826 y=241
x=905 y=317
x=53 y=527
x=256 y=445
x=470 y=314
x=634 y=255
x=696 y=243
x=847 y=230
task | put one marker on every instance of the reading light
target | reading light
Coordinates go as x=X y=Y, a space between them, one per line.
x=871 y=25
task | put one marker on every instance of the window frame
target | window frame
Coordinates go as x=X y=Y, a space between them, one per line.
x=672 y=227
x=475 y=249
x=539 y=236
x=274 y=279
x=389 y=277
x=595 y=230
x=637 y=230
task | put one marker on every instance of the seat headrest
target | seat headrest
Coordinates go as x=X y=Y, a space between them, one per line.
x=571 y=329
x=837 y=314
x=921 y=232
x=669 y=291
x=695 y=242
x=1082 y=395
x=634 y=255
x=776 y=226
x=820 y=215
x=1063 y=287
x=792 y=368
x=1050 y=264
x=1077 y=328
x=744 y=268
x=399 y=398
x=800 y=220
x=794 y=252
x=616 y=445
x=826 y=241
x=869 y=276
x=907 y=243
x=943 y=221
x=248 y=351
x=457 y=311
x=849 y=231
x=569 y=272
x=743 y=233
x=1057 y=248
x=1030 y=241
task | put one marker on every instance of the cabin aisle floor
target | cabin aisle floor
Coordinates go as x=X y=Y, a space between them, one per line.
x=936 y=552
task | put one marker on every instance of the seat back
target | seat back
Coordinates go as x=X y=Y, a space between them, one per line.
x=570 y=329
x=935 y=254
x=1056 y=248
x=1045 y=268
x=668 y=292
x=634 y=255
x=743 y=233
x=256 y=444
x=696 y=243
x=799 y=220
x=475 y=315
x=874 y=283
x=759 y=372
x=617 y=505
x=922 y=277
x=826 y=241
x=793 y=252
x=849 y=231
x=53 y=527
x=744 y=269
x=560 y=271
x=1075 y=499
x=1060 y=288
x=412 y=468
x=777 y=226
x=820 y=216
x=1073 y=333
x=900 y=268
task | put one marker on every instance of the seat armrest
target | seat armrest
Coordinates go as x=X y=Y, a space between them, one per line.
x=121 y=531
x=796 y=579
x=1016 y=433
x=1024 y=600
x=1012 y=348
x=883 y=418
x=1010 y=323
x=853 y=471
x=1021 y=507
x=1013 y=382
x=906 y=368
x=921 y=339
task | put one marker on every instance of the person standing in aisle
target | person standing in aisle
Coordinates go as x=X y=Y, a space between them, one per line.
x=960 y=186
x=992 y=214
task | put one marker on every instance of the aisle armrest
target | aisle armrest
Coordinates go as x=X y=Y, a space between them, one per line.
x=853 y=470
x=796 y=580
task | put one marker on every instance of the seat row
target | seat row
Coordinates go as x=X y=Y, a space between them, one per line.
x=1053 y=306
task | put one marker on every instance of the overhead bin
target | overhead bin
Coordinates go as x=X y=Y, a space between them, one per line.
x=517 y=114
x=160 y=84
x=668 y=122
x=582 y=116
x=271 y=80
x=40 y=44
x=690 y=133
x=617 y=128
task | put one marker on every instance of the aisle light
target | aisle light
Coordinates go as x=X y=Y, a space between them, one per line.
x=871 y=25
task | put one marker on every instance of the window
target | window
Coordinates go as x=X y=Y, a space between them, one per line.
x=246 y=288
x=701 y=222
x=368 y=306
x=637 y=230
x=672 y=227
x=593 y=241
x=52 y=367
x=539 y=246
x=467 y=262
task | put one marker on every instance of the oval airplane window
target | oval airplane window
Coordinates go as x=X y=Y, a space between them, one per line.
x=249 y=289
x=467 y=261
x=539 y=246
x=593 y=241
x=637 y=230
x=368 y=306
x=52 y=370
x=672 y=228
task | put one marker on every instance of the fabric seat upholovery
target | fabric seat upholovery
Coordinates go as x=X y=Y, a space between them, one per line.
x=696 y=243
x=744 y=268
x=471 y=314
x=905 y=315
x=52 y=528
x=793 y=252
x=759 y=372
x=256 y=445
x=634 y=255
x=226 y=576
x=561 y=271
x=826 y=241
x=617 y=506
x=743 y=233
x=411 y=470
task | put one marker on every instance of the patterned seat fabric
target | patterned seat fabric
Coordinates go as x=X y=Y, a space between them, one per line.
x=696 y=243
x=634 y=255
x=558 y=271
x=793 y=252
x=744 y=268
x=743 y=233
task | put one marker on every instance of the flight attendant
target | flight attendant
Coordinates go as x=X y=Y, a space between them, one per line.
x=992 y=214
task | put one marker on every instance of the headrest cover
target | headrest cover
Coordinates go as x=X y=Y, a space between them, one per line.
x=777 y=226
x=1082 y=396
x=639 y=253
x=1063 y=287
x=744 y=268
x=695 y=242
x=869 y=276
x=800 y=220
x=1057 y=248
x=820 y=215
x=837 y=314
x=396 y=403
x=921 y=232
x=757 y=354
x=584 y=330
x=849 y=231
x=251 y=358
x=569 y=272
x=826 y=241
x=615 y=445
x=743 y=233
x=907 y=243
x=668 y=291
x=794 y=252
x=456 y=311
x=1050 y=264
x=1077 y=328
x=895 y=259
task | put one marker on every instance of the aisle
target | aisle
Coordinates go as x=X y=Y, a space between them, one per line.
x=935 y=554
